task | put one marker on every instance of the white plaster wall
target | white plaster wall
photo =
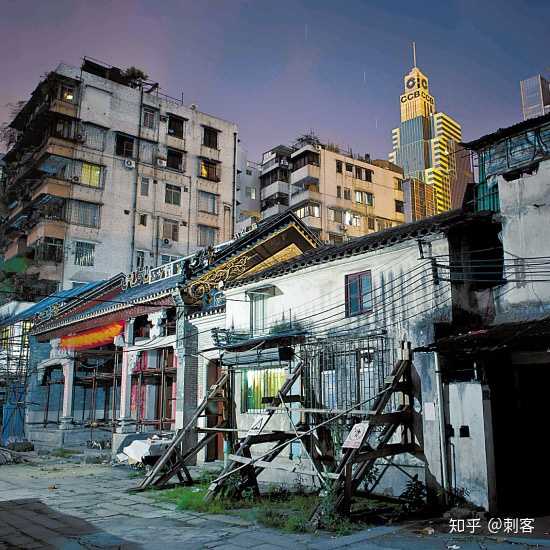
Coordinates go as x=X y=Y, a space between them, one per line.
x=525 y=210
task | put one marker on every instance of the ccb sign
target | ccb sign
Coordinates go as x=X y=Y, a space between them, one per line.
x=416 y=94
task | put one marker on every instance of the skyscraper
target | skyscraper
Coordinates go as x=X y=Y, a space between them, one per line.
x=425 y=146
x=535 y=96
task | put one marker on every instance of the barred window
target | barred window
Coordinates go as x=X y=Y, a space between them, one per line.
x=149 y=117
x=95 y=137
x=144 y=190
x=208 y=202
x=84 y=254
x=84 y=213
x=210 y=137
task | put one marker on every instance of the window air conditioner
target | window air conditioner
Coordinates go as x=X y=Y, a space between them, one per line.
x=81 y=138
x=76 y=179
x=166 y=242
x=129 y=163
x=161 y=163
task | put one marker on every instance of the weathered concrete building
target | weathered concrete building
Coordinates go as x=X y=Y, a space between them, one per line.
x=109 y=175
x=337 y=194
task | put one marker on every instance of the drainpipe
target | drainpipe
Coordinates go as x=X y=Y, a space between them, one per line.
x=136 y=185
x=442 y=431
x=234 y=199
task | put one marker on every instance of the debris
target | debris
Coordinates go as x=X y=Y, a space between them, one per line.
x=453 y=547
x=143 y=451
x=427 y=531
x=7 y=456
x=52 y=487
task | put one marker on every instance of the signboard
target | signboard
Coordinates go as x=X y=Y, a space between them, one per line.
x=152 y=275
x=92 y=338
x=418 y=93
x=356 y=435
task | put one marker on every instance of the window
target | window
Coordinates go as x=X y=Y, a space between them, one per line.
x=349 y=167
x=335 y=239
x=358 y=293
x=170 y=230
x=172 y=195
x=335 y=215
x=176 y=126
x=174 y=159
x=399 y=207
x=208 y=202
x=210 y=137
x=359 y=172
x=143 y=219
x=258 y=384
x=338 y=166
x=64 y=128
x=313 y=210
x=347 y=193
x=95 y=137
x=144 y=189
x=368 y=175
x=352 y=219
x=363 y=197
x=258 y=315
x=370 y=222
x=124 y=146
x=91 y=175
x=248 y=172
x=84 y=254
x=250 y=192
x=50 y=249
x=146 y=150
x=208 y=236
x=67 y=93
x=166 y=259
x=209 y=170
x=398 y=184
x=84 y=213
x=140 y=260
x=309 y=158
x=338 y=192
x=149 y=118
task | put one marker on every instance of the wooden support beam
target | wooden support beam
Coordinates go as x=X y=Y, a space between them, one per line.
x=387 y=450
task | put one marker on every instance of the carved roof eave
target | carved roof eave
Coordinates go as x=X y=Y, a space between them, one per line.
x=111 y=308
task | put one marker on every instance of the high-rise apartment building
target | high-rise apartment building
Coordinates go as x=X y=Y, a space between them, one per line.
x=109 y=175
x=337 y=194
x=248 y=191
x=425 y=145
x=535 y=96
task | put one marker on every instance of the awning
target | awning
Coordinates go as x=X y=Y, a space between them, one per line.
x=93 y=338
x=535 y=333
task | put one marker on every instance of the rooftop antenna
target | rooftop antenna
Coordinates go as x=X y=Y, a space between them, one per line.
x=414 y=54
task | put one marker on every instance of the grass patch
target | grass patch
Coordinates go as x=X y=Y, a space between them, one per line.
x=191 y=498
x=65 y=453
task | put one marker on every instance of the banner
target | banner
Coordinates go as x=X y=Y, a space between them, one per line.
x=93 y=338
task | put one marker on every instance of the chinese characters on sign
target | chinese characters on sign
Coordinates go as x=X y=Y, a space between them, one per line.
x=503 y=526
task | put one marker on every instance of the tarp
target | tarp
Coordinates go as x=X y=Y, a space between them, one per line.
x=93 y=338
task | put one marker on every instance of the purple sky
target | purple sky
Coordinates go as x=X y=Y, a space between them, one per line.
x=281 y=68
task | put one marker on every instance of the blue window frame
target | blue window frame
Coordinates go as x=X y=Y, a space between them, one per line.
x=358 y=293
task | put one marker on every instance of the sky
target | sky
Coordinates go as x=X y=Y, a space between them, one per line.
x=280 y=69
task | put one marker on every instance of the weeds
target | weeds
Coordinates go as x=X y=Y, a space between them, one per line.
x=65 y=453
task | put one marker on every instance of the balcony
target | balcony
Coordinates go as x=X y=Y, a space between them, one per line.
x=274 y=163
x=210 y=153
x=274 y=188
x=66 y=108
x=313 y=222
x=207 y=218
x=311 y=195
x=176 y=142
x=54 y=187
x=18 y=247
x=273 y=210
x=47 y=228
x=305 y=173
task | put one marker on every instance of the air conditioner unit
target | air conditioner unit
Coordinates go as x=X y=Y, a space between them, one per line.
x=343 y=227
x=161 y=163
x=80 y=138
x=129 y=163
x=166 y=242
x=76 y=179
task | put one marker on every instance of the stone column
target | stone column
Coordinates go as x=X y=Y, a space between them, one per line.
x=67 y=413
x=126 y=422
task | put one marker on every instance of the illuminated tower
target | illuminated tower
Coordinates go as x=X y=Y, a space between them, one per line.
x=425 y=146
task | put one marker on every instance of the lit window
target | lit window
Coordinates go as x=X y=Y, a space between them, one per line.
x=172 y=195
x=312 y=210
x=67 y=92
x=84 y=254
x=359 y=293
x=209 y=170
x=91 y=175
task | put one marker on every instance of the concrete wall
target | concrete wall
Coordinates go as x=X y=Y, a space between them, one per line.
x=525 y=210
x=117 y=108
